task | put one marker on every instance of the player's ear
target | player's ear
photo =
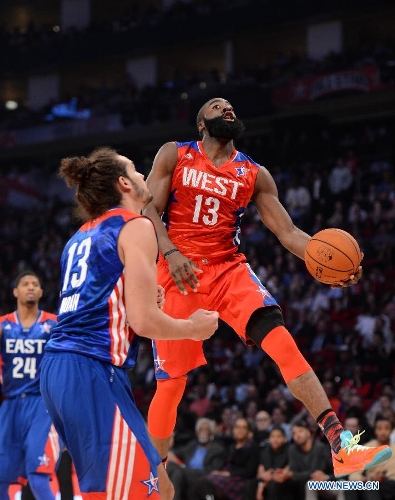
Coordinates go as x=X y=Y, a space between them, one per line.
x=15 y=292
x=123 y=184
x=201 y=127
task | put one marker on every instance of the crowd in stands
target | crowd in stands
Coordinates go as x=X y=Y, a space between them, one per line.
x=339 y=176
x=171 y=99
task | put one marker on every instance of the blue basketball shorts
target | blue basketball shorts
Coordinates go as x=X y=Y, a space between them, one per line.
x=28 y=440
x=92 y=407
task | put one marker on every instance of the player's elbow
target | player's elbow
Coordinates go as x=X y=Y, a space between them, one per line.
x=144 y=321
x=142 y=326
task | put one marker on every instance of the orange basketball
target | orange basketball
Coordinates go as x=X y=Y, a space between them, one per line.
x=332 y=255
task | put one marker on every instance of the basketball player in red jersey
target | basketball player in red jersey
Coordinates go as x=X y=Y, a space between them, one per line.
x=204 y=187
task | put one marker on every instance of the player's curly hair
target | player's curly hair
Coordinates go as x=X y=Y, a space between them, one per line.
x=95 y=177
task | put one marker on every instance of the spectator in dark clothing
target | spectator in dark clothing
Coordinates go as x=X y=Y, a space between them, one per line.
x=241 y=465
x=195 y=459
x=306 y=456
x=263 y=424
x=274 y=457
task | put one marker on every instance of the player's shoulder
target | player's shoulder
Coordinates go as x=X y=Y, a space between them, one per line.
x=177 y=148
x=187 y=145
x=47 y=316
x=9 y=317
x=139 y=225
x=244 y=158
x=113 y=217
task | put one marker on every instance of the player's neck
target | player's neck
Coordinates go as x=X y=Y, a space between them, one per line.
x=218 y=151
x=27 y=314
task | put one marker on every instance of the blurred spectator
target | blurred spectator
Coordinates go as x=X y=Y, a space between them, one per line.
x=241 y=465
x=261 y=429
x=195 y=459
x=274 y=457
x=384 y=473
x=297 y=200
x=306 y=456
x=380 y=407
x=340 y=180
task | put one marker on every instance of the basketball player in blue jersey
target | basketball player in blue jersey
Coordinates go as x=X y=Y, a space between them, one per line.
x=109 y=297
x=29 y=445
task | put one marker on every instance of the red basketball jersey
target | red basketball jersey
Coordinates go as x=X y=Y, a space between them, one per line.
x=206 y=202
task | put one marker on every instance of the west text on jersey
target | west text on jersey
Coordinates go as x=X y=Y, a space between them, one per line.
x=209 y=182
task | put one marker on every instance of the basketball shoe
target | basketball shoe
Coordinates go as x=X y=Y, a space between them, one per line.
x=353 y=457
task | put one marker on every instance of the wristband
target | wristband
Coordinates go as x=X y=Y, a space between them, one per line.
x=170 y=252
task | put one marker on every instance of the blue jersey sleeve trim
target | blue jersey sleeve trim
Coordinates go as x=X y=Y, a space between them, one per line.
x=191 y=144
x=243 y=157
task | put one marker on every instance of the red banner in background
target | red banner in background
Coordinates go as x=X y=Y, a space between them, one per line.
x=300 y=90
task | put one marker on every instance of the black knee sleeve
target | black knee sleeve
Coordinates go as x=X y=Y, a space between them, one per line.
x=262 y=321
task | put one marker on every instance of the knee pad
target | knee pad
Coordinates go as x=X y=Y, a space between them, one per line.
x=262 y=321
x=281 y=347
x=162 y=413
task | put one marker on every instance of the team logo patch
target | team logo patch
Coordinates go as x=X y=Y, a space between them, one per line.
x=324 y=254
x=158 y=363
x=44 y=460
x=45 y=328
x=188 y=156
x=264 y=293
x=242 y=171
x=152 y=484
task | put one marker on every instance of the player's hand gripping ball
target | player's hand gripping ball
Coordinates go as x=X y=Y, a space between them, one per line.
x=332 y=256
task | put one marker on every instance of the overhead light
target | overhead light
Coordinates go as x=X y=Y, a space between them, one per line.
x=11 y=105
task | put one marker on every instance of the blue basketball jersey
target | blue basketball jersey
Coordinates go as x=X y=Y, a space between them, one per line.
x=92 y=315
x=22 y=350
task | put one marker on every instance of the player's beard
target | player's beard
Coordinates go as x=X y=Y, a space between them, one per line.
x=143 y=194
x=223 y=129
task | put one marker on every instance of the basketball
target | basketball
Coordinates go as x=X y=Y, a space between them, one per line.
x=332 y=255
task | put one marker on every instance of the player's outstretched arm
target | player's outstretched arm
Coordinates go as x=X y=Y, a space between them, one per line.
x=275 y=217
x=137 y=248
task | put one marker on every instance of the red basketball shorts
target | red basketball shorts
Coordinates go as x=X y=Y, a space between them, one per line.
x=229 y=287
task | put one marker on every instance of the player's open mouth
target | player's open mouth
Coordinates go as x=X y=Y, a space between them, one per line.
x=228 y=116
